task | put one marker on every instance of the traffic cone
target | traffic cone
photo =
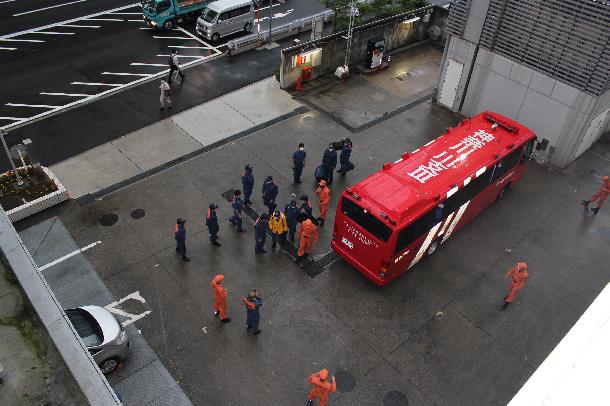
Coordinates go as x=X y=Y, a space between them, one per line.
x=299 y=84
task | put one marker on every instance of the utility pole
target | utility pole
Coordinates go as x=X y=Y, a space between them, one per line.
x=352 y=12
x=270 y=18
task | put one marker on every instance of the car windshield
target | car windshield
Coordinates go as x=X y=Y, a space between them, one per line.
x=209 y=15
x=86 y=327
x=365 y=220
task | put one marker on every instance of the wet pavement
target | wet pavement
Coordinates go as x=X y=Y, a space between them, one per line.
x=434 y=336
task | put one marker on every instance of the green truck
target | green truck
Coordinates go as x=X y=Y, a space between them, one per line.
x=167 y=13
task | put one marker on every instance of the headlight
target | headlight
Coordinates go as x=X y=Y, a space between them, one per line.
x=121 y=338
x=153 y=23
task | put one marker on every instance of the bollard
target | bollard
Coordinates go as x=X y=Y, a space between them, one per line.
x=299 y=84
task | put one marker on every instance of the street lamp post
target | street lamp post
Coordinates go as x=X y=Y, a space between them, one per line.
x=20 y=182
x=270 y=18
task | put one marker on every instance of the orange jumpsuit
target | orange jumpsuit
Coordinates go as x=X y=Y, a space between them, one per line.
x=308 y=234
x=602 y=194
x=324 y=193
x=321 y=388
x=518 y=276
x=220 y=296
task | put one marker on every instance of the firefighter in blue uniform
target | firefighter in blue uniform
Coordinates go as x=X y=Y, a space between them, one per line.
x=298 y=163
x=260 y=233
x=180 y=237
x=269 y=194
x=292 y=214
x=211 y=221
x=253 y=316
x=238 y=206
x=247 y=183
x=306 y=208
x=346 y=152
x=329 y=162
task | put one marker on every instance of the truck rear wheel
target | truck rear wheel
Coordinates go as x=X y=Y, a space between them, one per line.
x=168 y=25
x=248 y=27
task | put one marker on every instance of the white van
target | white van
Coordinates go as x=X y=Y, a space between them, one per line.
x=224 y=17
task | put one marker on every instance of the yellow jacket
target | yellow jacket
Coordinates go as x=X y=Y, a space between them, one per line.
x=278 y=226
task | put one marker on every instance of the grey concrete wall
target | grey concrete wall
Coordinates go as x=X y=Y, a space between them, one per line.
x=76 y=356
x=475 y=20
x=396 y=34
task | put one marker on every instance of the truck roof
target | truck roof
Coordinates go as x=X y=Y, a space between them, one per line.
x=422 y=177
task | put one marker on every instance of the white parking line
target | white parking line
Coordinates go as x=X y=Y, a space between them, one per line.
x=199 y=40
x=148 y=64
x=73 y=253
x=161 y=37
x=79 y=26
x=103 y=19
x=66 y=94
x=7 y=49
x=6 y=1
x=136 y=21
x=187 y=47
x=41 y=106
x=127 y=74
x=96 y=84
x=20 y=40
x=185 y=56
x=53 y=33
x=135 y=14
x=47 y=8
x=146 y=28
x=13 y=118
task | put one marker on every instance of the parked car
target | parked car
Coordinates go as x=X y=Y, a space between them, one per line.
x=225 y=17
x=105 y=338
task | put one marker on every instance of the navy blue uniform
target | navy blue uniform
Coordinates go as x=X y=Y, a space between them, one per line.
x=346 y=152
x=260 y=234
x=247 y=183
x=269 y=195
x=238 y=207
x=329 y=162
x=211 y=221
x=298 y=162
x=180 y=237
x=292 y=214
x=253 y=316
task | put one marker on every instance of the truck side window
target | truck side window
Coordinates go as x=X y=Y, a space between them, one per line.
x=529 y=148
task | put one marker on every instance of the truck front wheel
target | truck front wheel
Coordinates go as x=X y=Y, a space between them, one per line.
x=168 y=25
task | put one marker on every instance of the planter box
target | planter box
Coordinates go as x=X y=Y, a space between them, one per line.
x=35 y=206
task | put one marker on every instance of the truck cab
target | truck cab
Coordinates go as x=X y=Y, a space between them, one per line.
x=167 y=13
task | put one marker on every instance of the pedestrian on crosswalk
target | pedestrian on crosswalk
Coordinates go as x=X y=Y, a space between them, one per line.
x=174 y=65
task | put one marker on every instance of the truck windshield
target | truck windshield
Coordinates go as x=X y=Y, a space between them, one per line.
x=209 y=15
x=365 y=220
x=161 y=6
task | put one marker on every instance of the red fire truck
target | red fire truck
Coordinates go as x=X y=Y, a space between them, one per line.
x=394 y=218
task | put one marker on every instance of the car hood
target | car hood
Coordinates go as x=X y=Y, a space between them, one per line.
x=109 y=325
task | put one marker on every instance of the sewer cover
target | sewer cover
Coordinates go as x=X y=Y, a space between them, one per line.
x=604 y=232
x=138 y=214
x=109 y=219
x=415 y=72
x=345 y=381
x=395 y=398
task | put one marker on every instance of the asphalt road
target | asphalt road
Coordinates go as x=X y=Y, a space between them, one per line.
x=83 y=61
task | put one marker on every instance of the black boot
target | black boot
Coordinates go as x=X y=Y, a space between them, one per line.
x=227 y=320
x=595 y=210
x=505 y=305
x=185 y=258
x=321 y=222
x=216 y=243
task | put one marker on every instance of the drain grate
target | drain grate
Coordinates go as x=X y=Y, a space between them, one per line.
x=345 y=381
x=108 y=219
x=138 y=214
x=395 y=398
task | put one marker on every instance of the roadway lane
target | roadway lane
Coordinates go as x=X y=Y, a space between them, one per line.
x=20 y=15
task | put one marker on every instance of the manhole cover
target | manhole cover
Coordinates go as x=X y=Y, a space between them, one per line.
x=395 y=398
x=138 y=214
x=109 y=219
x=345 y=381
x=415 y=72
x=604 y=232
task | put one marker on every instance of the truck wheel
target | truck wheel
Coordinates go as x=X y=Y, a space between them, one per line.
x=215 y=38
x=248 y=27
x=168 y=25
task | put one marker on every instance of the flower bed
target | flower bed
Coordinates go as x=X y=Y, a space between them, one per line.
x=23 y=202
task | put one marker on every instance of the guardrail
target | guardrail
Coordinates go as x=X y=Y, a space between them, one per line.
x=255 y=40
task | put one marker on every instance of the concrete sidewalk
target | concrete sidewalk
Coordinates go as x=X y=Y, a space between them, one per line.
x=174 y=137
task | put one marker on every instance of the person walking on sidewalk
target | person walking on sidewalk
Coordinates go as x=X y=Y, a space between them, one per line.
x=320 y=387
x=238 y=206
x=253 y=316
x=260 y=234
x=174 y=65
x=601 y=195
x=247 y=184
x=298 y=163
x=329 y=162
x=292 y=215
x=211 y=221
x=324 y=195
x=220 y=298
x=346 y=153
x=518 y=275
x=180 y=237
x=308 y=235
x=166 y=95
x=269 y=194
x=278 y=227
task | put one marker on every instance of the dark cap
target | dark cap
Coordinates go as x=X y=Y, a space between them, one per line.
x=301 y=145
x=237 y=192
x=213 y=206
x=269 y=178
x=248 y=167
x=180 y=221
x=304 y=197
x=293 y=202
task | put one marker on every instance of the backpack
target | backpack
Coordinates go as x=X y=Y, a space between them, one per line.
x=170 y=61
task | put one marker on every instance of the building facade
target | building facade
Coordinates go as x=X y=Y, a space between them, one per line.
x=544 y=63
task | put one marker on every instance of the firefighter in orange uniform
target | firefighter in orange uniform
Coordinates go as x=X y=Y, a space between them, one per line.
x=308 y=235
x=220 y=298
x=602 y=195
x=323 y=193
x=518 y=274
x=320 y=387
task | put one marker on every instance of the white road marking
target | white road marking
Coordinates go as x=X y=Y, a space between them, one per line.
x=72 y=20
x=112 y=308
x=73 y=253
x=182 y=56
x=20 y=40
x=53 y=33
x=96 y=84
x=127 y=74
x=186 y=47
x=146 y=28
x=205 y=330
x=42 y=106
x=47 y=8
x=161 y=37
x=148 y=64
x=136 y=21
x=126 y=14
x=6 y=1
x=104 y=19
x=67 y=94
x=198 y=40
x=13 y=118
x=7 y=49
x=79 y=26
